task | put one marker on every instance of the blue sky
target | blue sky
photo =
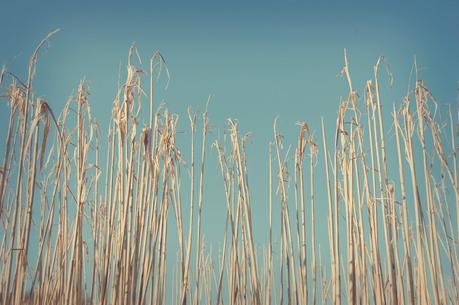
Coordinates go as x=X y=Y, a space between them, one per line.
x=257 y=60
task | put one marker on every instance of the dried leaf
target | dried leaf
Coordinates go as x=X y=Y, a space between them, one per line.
x=43 y=143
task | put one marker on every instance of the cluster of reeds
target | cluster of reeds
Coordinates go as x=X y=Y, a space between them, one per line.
x=102 y=230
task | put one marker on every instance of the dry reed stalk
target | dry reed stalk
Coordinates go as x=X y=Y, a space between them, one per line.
x=200 y=199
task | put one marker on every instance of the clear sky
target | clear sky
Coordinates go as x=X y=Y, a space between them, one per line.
x=257 y=59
